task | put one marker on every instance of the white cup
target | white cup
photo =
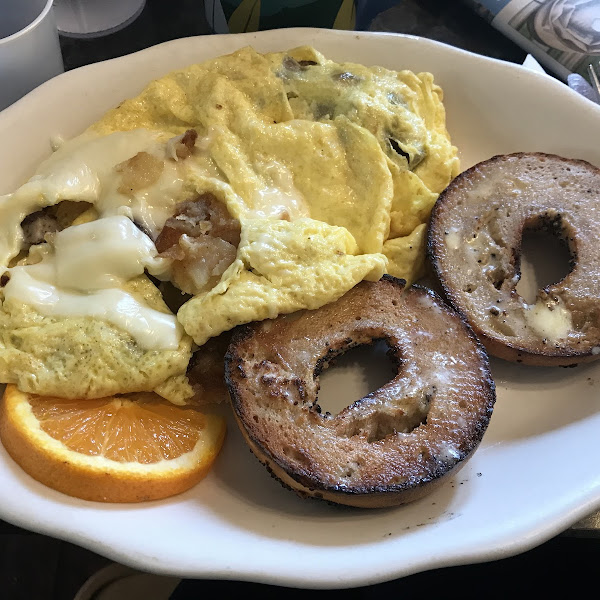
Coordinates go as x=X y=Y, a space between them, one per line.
x=29 y=47
x=95 y=18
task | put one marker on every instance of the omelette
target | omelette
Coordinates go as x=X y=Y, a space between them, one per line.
x=231 y=191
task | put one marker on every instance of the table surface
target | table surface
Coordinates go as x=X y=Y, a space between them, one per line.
x=35 y=567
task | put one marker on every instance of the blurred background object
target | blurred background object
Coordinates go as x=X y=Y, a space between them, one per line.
x=238 y=16
x=36 y=566
x=92 y=18
x=29 y=47
x=563 y=35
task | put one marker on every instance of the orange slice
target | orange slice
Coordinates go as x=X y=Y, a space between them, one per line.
x=116 y=449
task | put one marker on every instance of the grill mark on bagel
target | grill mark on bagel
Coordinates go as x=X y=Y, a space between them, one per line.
x=522 y=191
x=351 y=458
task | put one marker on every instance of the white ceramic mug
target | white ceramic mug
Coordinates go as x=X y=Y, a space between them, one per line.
x=29 y=47
x=95 y=18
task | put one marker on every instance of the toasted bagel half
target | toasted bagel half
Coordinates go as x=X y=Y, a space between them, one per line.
x=474 y=245
x=391 y=447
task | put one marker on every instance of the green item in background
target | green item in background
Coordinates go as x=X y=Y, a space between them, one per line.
x=237 y=16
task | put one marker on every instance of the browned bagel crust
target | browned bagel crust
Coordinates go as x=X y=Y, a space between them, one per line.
x=529 y=190
x=391 y=447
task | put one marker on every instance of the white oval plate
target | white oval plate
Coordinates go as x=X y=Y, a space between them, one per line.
x=536 y=472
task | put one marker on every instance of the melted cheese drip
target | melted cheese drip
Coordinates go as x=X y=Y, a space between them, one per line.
x=282 y=200
x=103 y=253
x=150 y=206
x=97 y=258
x=552 y=322
x=453 y=239
x=84 y=169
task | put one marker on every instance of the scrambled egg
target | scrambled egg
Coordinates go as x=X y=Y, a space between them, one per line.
x=327 y=173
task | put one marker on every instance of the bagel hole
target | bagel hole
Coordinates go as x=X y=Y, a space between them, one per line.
x=545 y=260
x=362 y=369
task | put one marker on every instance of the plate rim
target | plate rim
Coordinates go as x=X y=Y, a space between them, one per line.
x=532 y=539
x=249 y=36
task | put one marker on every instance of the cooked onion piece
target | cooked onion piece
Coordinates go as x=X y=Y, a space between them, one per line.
x=202 y=239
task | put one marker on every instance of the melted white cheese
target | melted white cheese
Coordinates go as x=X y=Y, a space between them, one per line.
x=152 y=330
x=84 y=169
x=96 y=258
x=77 y=182
x=281 y=200
x=552 y=322
x=150 y=206
x=102 y=254
x=453 y=239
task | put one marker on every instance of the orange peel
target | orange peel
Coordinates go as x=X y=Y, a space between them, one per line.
x=130 y=448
